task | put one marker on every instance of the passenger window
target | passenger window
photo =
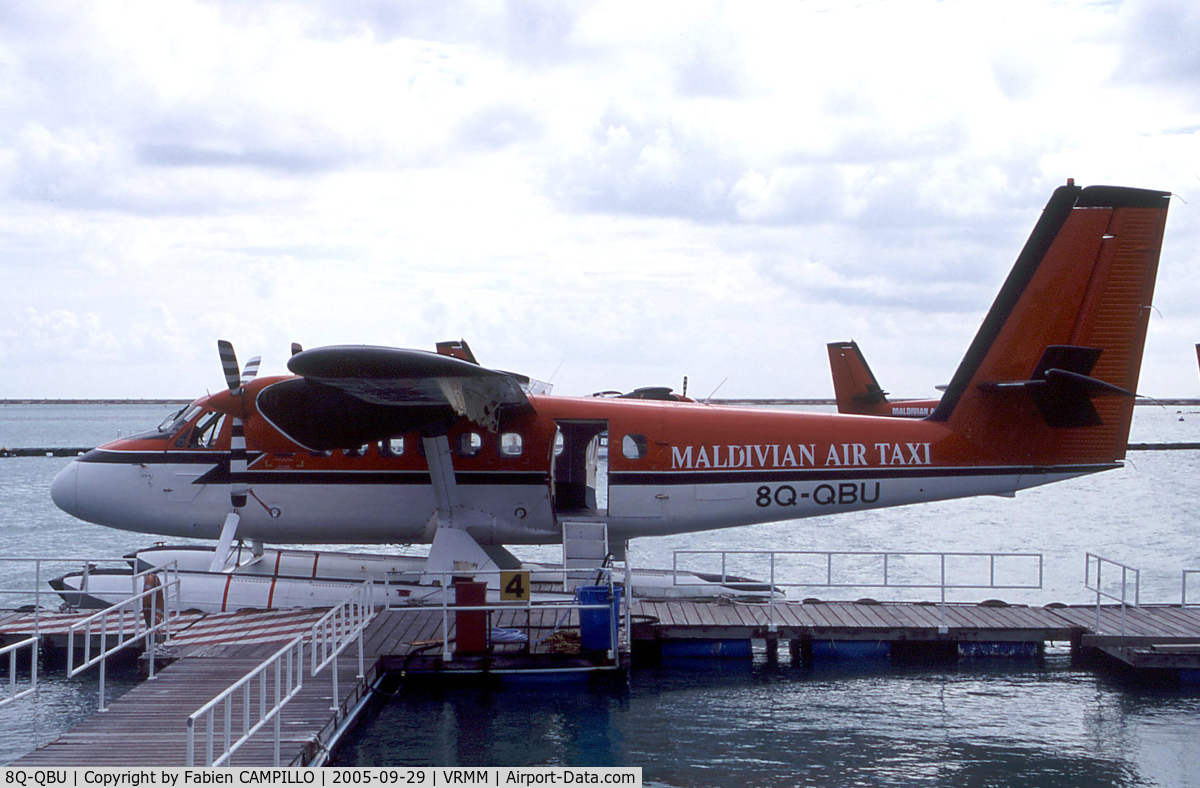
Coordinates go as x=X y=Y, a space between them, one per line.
x=469 y=444
x=392 y=447
x=559 y=444
x=634 y=446
x=361 y=451
x=511 y=444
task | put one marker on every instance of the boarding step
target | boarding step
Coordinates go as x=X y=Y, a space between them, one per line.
x=585 y=547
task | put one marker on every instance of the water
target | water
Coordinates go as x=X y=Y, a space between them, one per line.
x=981 y=723
x=707 y=724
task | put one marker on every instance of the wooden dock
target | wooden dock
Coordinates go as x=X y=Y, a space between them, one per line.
x=147 y=725
x=1149 y=636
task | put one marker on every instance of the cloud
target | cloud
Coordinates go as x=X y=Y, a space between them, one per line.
x=1159 y=43
x=619 y=187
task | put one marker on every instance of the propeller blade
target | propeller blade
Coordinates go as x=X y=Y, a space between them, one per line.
x=229 y=364
x=251 y=370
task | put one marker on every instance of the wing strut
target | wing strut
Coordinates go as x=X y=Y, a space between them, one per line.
x=453 y=548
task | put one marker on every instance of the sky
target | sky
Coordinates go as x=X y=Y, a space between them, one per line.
x=603 y=195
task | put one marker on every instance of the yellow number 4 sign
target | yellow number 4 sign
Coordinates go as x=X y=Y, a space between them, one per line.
x=514 y=586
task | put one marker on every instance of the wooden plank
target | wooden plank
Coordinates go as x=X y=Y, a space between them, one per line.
x=826 y=615
x=1178 y=619
x=846 y=613
x=806 y=615
x=725 y=615
x=869 y=615
x=154 y=713
x=1006 y=618
x=381 y=630
x=785 y=616
x=752 y=615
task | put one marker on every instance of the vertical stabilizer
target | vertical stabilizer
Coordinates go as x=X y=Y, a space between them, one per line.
x=1050 y=377
x=854 y=385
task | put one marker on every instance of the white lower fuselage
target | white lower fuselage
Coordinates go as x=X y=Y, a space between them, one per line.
x=131 y=492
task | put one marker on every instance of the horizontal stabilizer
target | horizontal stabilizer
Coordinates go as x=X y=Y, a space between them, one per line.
x=1061 y=387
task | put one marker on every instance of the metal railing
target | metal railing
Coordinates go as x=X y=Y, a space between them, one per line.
x=884 y=565
x=262 y=702
x=1091 y=559
x=37 y=593
x=447 y=606
x=280 y=678
x=1183 y=594
x=134 y=619
x=12 y=651
x=337 y=629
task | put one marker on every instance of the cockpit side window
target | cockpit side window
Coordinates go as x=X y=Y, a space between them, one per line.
x=207 y=430
x=172 y=424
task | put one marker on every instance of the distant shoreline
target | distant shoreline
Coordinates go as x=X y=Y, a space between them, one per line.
x=714 y=401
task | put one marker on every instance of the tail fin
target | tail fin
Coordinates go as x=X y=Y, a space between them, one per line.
x=1051 y=375
x=854 y=386
x=858 y=392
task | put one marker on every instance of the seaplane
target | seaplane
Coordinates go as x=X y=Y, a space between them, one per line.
x=379 y=445
x=856 y=390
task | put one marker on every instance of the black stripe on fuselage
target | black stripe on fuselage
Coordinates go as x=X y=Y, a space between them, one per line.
x=219 y=472
x=667 y=478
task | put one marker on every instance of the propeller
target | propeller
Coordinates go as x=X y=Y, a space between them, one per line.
x=239 y=491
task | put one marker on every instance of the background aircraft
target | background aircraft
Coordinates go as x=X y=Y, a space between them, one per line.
x=856 y=390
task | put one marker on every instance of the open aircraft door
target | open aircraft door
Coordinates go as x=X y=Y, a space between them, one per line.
x=575 y=468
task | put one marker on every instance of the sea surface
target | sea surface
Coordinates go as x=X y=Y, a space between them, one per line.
x=984 y=722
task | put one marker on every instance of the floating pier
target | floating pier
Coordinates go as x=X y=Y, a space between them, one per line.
x=1149 y=636
x=148 y=726
x=208 y=653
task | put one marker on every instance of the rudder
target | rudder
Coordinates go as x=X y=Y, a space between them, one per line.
x=854 y=385
x=1050 y=376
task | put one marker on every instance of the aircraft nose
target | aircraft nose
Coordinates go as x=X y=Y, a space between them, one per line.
x=63 y=490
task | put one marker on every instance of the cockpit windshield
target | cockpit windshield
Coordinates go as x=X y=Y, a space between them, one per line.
x=172 y=423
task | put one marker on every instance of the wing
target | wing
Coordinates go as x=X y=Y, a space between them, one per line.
x=351 y=395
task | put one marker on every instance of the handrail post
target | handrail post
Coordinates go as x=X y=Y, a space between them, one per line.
x=1124 y=594
x=772 y=626
x=446 y=656
x=943 y=605
x=37 y=597
x=361 y=625
x=334 y=700
x=103 y=663
x=278 y=697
